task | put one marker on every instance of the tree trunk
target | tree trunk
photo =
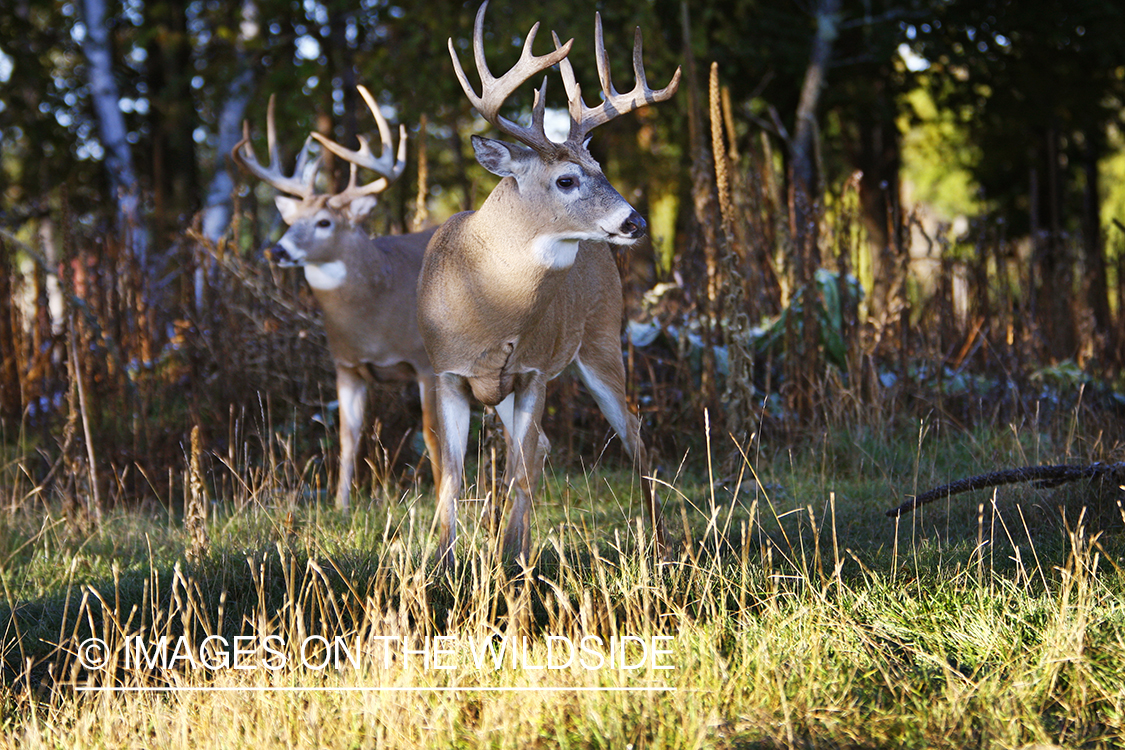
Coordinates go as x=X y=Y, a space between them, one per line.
x=1055 y=292
x=218 y=209
x=172 y=119
x=219 y=206
x=111 y=127
x=878 y=158
x=804 y=185
x=1097 y=286
x=11 y=401
x=804 y=196
x=341 y=66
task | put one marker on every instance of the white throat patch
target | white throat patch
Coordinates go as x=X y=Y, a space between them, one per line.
x=326 y=276
x=553 y=251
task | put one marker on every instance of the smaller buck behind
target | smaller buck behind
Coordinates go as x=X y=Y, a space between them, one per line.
x=514 y=292
x=365 y=286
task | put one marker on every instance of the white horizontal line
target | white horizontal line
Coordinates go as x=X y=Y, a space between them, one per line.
x=293 y=689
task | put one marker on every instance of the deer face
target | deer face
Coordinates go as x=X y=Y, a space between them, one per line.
x=316 y=228
x=321 y=225
x=567 y=195
x=317 y=236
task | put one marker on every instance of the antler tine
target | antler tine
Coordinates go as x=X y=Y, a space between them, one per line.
x=300 y=184
x=388 y=165
x=601 y=59
x=305 y=170
x=575 y=105
x=271 y=133
x=583 y=119
x=495 y=91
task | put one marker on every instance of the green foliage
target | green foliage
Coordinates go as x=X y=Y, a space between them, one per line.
x=938 y=158
x=1027 y=79
x=1112 y=170
x=831 y=314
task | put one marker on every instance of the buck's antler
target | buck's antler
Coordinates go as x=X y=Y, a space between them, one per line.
x=303 y=179
x=494 y=91
x=583 y=119
x=388 y=166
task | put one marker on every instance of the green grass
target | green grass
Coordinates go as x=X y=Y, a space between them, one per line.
x=797 y=614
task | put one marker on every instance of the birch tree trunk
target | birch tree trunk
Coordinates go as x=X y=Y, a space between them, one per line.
x=219 y=206
x=111 y=127
x=218 y=209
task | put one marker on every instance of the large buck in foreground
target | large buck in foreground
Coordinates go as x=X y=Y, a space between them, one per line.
x=365 y=286
x=512 y=293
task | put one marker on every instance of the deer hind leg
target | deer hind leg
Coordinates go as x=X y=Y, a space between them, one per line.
x=522 y=415
x=604 y=377
x=351 y=393
x=427 y=387
x=453 y=430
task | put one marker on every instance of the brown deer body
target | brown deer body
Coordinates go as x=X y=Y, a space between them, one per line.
x=511 y=294
x=365 y=286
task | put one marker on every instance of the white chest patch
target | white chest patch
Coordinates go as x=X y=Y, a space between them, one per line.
x=326 y=276
x=555 y=252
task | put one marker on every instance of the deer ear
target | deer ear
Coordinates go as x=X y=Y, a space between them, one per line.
x=358 y=208
x=500 y=158
x=288 y=208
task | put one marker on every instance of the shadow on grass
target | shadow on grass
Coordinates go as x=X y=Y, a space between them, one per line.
x=336 y=576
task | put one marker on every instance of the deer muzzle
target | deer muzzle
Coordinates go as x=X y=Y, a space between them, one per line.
x=634 y=226
x=279 y=255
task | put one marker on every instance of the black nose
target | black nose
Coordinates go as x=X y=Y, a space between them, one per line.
x=634 y=226
x=275 y=254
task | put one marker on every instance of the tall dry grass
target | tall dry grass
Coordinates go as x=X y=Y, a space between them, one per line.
x=794 y=615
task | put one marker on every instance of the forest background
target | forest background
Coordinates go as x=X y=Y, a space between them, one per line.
x=859 y=211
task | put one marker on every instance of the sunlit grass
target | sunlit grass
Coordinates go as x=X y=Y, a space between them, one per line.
x=794 y=615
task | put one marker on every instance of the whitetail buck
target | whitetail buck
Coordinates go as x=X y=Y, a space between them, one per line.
x=365 y=286
x=513 y=293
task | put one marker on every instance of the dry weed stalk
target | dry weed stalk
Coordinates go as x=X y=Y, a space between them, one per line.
x=738 y=398
x=195 y=511
x=421 y=212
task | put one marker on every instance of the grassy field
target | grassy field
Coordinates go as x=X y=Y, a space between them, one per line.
x=794 y=615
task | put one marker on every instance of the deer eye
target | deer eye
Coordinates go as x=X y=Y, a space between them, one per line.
x=566 y=183
x=323 y=224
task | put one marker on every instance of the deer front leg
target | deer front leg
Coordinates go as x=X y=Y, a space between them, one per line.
x=351 y=394
x=604 y=377
x=527 y=449
x=453 y=431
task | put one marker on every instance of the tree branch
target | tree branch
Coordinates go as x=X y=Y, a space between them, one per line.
x=1042 y=476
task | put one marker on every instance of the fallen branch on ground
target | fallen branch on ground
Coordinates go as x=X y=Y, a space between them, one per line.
x=1042 y=476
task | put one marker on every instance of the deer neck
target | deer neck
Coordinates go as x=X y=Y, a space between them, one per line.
x=326 y=277
x=357 y=263
x=520 y=255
